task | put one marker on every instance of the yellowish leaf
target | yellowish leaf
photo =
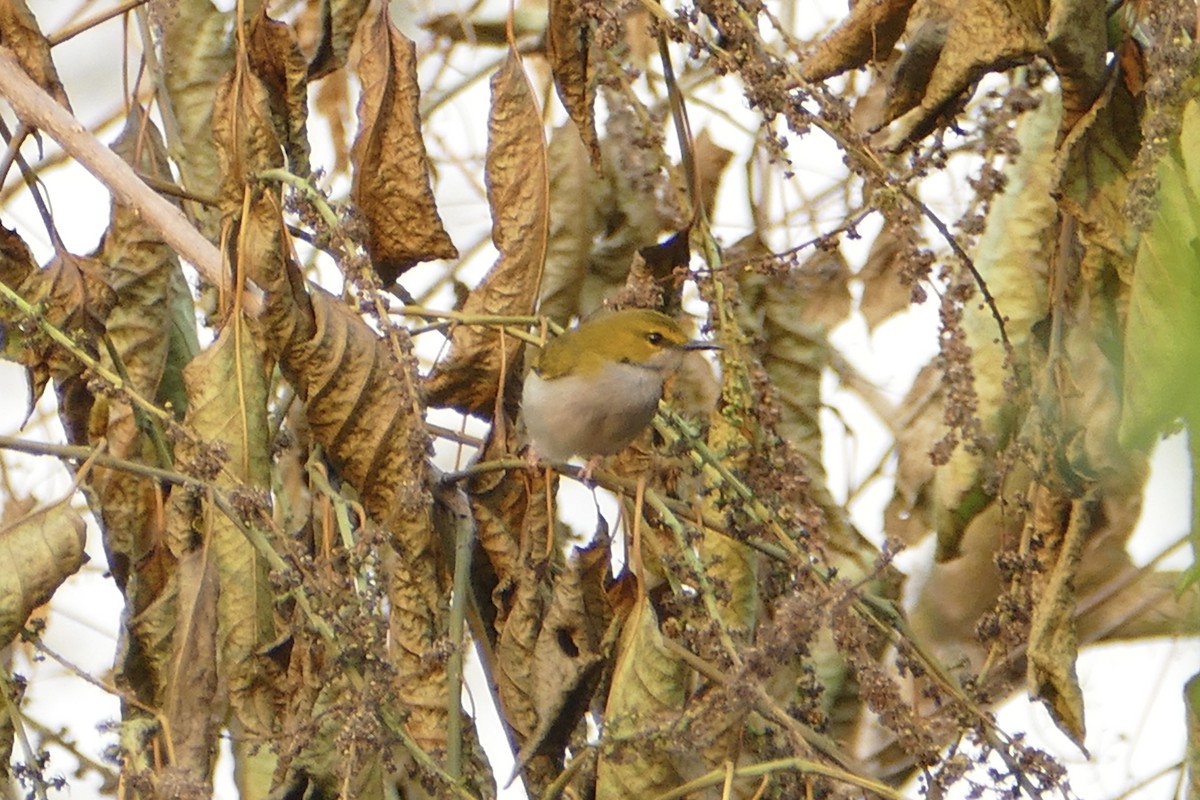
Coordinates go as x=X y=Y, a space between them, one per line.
x=37 y=553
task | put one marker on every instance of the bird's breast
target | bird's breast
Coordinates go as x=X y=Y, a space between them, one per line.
x=586 y=415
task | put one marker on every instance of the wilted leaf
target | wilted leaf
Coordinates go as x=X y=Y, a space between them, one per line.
x=647 y=693
x=884 y=292
x=244 y=132
x=980 y=36
x=192 y=680
x=1095 y=162
x=197 y=54
x=144 y=274
x=20 y=33
x=526 y=603
x=576 y=196
x=507 y=510
x=227 y=392
x=711 y=160
x=1053 y=643
x=37 y=553
x=567 y=657
x=276 y=59
x=76 y=300
x=1078 y=44
x=568 y=41
x=480 y=362
x=1012 y=258
x=339 y=21
x=391 y=185
x=16 y=261
x=866 y=35
x=1162 y=340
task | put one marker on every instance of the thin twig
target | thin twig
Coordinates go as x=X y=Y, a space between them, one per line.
x=38 y=109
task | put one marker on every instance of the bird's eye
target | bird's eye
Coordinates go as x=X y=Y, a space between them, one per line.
x=654 y=337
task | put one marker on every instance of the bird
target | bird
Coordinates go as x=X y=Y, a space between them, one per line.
x=593 y=389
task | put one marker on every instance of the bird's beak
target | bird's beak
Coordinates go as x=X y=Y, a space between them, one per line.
x=698 y=345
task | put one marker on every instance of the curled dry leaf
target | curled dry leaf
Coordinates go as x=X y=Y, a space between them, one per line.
x=144 y=275
x=16 y=260
x=866 y=35
x=567 y=657
x=228 y=390
x=275 y=57
x=20 y=33
x=482 y=360
x=74 y=298
x=980 y=36
x=339 y=22
x=577 y=194
x=1053 y=642
x=951 y=45
x=568 y=42
x=1078 y=43
x=244 y=132
x=197 y=57
x=37 y=553
x=391 y=185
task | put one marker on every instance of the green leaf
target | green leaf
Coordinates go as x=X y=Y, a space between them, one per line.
x=1162 y=336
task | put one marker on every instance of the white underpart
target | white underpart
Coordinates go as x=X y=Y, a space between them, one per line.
x=593 y=415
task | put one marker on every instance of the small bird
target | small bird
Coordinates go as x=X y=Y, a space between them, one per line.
x=593 y=389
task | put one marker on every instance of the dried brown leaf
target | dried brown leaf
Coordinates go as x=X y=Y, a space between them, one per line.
x=1053 y=642
x=884 y=293
x=576 y=196
x=20 y=33
x=481 y=360
x=506 y=510
x=391 y=185
x=76 y=300
x=711 y=160
x=197 y=57
x=144 y=275
x=567 y=658
x=228 y=390
x=981 y=36
x=275 y=57
x=866 y=35
x=1078 y=44
x=244 y=133
x=190 y=692
x=360 y=409
x=16 y=260
x=568 y=42
x=37 y=553
x=339 y=22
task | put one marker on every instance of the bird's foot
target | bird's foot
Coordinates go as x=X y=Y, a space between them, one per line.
x=585 y=474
